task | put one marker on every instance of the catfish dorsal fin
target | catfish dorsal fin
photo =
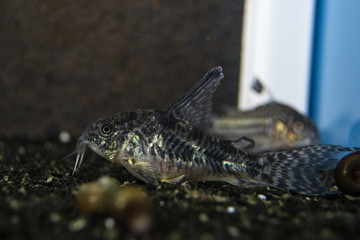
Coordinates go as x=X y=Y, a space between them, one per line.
x=195 y=106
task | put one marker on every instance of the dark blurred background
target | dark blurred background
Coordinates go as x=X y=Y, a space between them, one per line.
x=66 y=63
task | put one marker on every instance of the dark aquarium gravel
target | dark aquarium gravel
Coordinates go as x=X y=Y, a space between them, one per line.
x=38 y=201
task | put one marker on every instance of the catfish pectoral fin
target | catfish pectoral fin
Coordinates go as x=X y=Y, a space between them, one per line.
x=173 y=180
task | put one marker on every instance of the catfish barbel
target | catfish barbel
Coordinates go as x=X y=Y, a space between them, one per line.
x=170 y=145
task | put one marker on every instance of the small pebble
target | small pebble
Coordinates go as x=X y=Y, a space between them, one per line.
x=233 y=231
x=15 y=204
x=251 y=200
x=49 y=179
x=230 y=209
x=140 y=225
x=54 y=217
x=203 y=217
x=109 y=223
x=22 y=150
x=77 y=224
x=286 y=196
x=22 y=190
x=261 y=197
x=64 y=137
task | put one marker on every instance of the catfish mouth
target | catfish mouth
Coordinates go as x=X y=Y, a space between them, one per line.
x=80 y=149
x=80 y=152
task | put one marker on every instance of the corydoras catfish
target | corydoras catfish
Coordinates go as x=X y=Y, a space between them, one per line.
x=169 y=145
x=273 y=126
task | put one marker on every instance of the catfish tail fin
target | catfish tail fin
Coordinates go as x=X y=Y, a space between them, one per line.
x=297 y=170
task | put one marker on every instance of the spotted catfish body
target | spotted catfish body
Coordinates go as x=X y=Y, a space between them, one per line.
x=169 y=145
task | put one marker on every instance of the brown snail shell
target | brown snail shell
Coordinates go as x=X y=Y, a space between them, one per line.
x=97 y=196
x=347 y=174
x=129 y=206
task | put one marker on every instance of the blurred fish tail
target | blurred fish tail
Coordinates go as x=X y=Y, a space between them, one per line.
x=297 y=170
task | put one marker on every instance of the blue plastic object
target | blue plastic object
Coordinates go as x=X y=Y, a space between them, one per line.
x=335 y=91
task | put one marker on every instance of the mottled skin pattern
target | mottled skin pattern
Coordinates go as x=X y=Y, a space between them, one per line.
x=154 y=146
x=169 y=145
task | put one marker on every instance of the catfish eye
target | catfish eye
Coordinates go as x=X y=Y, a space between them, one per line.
x=298 y=127
x=106 y=129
